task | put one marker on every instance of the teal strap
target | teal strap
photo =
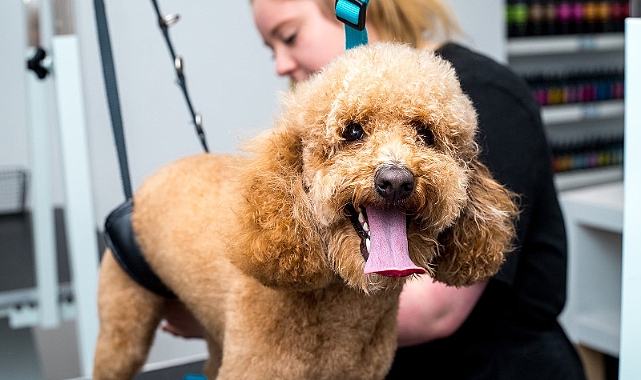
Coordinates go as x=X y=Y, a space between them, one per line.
x=352 y=14
x=354 y=37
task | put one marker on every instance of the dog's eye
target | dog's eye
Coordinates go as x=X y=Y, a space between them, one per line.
x=426 y=135
x=353 y=131
x=424 y=132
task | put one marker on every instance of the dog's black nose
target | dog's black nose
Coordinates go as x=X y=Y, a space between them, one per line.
x=394 y=183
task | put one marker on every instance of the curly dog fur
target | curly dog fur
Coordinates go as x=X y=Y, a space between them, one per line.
x=264 y=247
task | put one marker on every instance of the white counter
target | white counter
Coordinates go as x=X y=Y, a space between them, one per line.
x=594 y=222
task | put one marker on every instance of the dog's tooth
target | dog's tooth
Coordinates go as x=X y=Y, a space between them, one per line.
x=367 y=244
x=365 y=227
x=361 y=217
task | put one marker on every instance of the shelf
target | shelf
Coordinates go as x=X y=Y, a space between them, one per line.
x=587 y=177
x=572 y=113
x=550 y=45
x=598 y=206
x=600 y=330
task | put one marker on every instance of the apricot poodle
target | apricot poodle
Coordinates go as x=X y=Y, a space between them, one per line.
x=293 y=255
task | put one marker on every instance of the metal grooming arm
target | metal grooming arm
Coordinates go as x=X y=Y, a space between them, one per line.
x=80 y=220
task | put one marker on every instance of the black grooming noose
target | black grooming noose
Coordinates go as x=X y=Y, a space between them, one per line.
x=164 y=23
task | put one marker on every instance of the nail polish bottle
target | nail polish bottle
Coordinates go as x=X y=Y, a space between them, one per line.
x=549 y=17
x=576 y=25
x=603 y=24
x=619 y=10
x=563 y=16
x=536 y=18
x=590 y=16
x=520 y=18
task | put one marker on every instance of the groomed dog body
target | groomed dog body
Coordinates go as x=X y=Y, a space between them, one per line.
x=293 y=255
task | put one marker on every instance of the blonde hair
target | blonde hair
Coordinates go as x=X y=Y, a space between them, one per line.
x=408 y=21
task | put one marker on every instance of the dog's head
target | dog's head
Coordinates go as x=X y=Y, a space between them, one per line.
x=371 y=174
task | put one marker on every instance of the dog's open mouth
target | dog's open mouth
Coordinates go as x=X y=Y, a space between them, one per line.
x=383 y=234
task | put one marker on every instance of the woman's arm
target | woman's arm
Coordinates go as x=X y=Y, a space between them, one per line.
x=431 y=310
x=180 y=322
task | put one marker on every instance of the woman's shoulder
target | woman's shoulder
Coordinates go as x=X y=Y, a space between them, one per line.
x=469 y=62
x=477 y=70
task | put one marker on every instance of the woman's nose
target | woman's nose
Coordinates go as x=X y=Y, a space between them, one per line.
x=285 y=64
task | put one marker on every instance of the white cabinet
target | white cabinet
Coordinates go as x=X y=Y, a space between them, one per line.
x=594 y=221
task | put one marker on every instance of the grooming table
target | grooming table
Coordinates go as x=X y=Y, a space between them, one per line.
x=17 y=271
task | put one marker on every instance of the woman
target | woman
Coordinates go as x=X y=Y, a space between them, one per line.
x=502 y=328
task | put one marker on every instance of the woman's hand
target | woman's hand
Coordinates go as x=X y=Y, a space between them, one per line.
x=180 y=322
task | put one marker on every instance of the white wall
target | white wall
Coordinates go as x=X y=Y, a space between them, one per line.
x=484 y=26
x=12 y=87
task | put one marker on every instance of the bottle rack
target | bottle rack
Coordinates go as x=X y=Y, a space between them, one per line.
x=561 y=17
x=576 y=87
x=587 y=153
x=570 y=52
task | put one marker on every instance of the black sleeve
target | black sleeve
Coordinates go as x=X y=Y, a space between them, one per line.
x=515 y=149
x=510 y=147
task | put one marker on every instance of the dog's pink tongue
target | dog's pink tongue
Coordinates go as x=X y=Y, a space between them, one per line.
x=388 y=254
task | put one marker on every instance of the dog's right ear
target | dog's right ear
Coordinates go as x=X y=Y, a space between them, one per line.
x=277 y=241
x=473 y=248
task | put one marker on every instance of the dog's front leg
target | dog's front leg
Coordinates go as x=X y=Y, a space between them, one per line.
x=129 y=315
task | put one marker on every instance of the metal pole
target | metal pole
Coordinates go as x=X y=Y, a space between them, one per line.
x=42 y=203
x=81 y=226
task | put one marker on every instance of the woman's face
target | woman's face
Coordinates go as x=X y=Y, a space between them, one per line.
x=302 y=38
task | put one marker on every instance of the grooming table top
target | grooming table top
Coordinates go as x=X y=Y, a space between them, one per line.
x=177 y=372
x=170 y=372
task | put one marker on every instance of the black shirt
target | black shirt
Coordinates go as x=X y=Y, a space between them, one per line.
x=513 y=332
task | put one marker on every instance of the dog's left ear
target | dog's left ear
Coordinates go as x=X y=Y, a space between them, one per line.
x=473 y=248
x=277 y=241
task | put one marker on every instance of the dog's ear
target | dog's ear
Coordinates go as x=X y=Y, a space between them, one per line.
x=277 y=241
x=473 y=248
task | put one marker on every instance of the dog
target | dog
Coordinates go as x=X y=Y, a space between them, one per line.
x=292 y=254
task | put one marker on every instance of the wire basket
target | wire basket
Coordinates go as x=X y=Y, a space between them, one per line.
x=13 y=191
